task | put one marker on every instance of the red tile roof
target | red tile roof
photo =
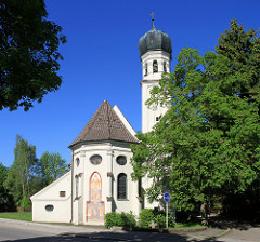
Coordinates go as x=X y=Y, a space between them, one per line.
x=104 y=125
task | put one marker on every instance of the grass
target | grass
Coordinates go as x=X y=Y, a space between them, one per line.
x=187 y=226
x=19 y=216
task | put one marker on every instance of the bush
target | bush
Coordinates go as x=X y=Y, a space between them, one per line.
x=25 y=202
x=146 y=217
x=111 y=219
x=123 y=220
x=127 y=220
x=160 y=220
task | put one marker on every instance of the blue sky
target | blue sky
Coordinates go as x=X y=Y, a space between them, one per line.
x=102 y=61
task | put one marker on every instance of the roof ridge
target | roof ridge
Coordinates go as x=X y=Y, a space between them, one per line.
x=107 y=117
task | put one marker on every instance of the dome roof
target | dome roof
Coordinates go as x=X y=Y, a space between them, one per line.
x=155 y=40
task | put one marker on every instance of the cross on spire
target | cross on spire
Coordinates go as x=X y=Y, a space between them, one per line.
x=152 y=14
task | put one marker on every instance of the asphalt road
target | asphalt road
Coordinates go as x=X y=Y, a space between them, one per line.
x=22 y=231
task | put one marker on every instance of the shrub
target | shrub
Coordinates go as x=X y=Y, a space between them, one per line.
x=146 y=217
x=123 y=220
x=25 y=202
x=111 y=220
x=160 y=220
x=127 y=220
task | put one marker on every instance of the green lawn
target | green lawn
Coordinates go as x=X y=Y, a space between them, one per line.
x=20 y=216
x=187 y=226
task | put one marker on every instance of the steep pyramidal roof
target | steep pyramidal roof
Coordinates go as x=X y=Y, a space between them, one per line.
x=105 y=124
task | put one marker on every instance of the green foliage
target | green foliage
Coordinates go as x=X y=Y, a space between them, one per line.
x=25 y=202
x=123 y=220
x=28 y=174
x=52 y=166
x=208 y=143
x=146 y=216
x=111 y=220
x=127 y=220
x=160 y=220
x=6 y=200
x=3 y=174
x=28 y=53
x=18 y=177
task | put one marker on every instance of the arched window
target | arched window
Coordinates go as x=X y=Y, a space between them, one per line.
x=77 y=186
x=122 y=186
x=165 y=67
x=155 y=66
x=145 y=69
x=77 y=161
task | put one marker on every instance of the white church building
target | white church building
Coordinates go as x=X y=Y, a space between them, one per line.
x=99 y=180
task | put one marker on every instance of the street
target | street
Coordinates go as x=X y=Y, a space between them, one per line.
x=22 y=231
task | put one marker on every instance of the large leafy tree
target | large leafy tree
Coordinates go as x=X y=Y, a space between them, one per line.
x=28 y=53
x=22 y=170
x=208 y=142
x=52 y=166
x=6 y=201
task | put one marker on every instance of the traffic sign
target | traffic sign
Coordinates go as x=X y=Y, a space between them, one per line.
x=167 y=197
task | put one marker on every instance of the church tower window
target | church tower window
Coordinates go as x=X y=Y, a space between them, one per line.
x=165 y=67
x=155 y=66
x=145 y=69
x=122 y=186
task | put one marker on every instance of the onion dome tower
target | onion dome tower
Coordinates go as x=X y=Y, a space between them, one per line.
x=155 y=51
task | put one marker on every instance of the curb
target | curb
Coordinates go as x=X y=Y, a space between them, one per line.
x=221 y=234
x=171 y=231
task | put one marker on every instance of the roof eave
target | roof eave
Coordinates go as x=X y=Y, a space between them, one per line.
x=101 y=140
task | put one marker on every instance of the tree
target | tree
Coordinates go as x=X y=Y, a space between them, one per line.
x=21 y=171
x=28 y=53
x=53 y=166
x=6 y=201
x=208 y=142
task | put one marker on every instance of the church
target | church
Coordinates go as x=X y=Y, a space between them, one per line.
x=99 y=180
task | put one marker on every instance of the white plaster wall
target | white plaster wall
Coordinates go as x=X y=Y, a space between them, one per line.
x=150 y=114
x=132 y=202
x=84 y=153
x=50 y=195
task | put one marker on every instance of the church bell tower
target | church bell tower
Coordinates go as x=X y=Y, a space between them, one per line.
x=155 y=51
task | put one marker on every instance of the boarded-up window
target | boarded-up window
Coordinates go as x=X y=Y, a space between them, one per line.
x=62 y=193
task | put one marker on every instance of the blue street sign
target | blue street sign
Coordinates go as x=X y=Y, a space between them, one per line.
x=167 y=197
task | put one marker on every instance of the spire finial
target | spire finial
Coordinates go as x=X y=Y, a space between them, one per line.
x=152 y=14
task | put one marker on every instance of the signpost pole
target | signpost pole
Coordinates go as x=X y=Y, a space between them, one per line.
x=167 y=199
x=167 y=214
